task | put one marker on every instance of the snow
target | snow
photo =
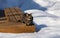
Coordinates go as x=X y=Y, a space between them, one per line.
x=55 y=9
x=46 y=15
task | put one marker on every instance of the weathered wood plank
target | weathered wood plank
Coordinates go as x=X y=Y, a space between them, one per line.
x=16 y=28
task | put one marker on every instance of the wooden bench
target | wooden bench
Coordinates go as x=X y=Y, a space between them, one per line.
x=11 y=25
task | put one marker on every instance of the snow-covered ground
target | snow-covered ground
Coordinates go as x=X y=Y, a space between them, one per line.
x=46 y=15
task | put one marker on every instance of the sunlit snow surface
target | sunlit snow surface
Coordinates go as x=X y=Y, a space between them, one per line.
x=47 y=22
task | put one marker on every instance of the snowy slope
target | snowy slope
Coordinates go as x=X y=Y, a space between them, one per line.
x=47 y=21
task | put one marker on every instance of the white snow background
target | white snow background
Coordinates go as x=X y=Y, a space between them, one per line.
x=46 y=15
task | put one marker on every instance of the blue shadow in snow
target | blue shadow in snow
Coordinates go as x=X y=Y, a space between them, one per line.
x=30 y=4
x=39 y=27
x=23 y=4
